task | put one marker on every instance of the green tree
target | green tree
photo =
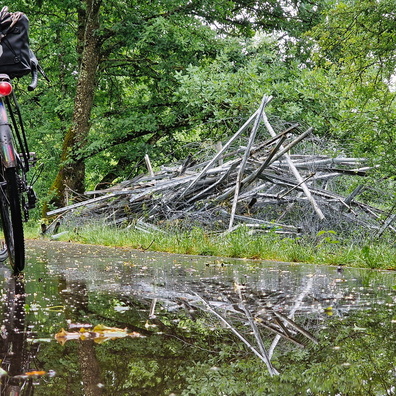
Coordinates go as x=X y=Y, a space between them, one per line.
x=116 y=62
x=354 y=48
x=72 y=172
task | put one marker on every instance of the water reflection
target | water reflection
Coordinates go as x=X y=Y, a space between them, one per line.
x=76 y=307
x=110 y=322
x=17 y=357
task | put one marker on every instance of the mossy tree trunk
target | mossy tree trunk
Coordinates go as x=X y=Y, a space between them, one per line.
x=71 y=175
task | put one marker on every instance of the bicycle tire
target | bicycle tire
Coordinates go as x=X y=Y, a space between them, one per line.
x=11 y=217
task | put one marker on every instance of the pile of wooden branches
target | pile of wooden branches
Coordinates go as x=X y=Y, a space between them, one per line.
x=255 y=179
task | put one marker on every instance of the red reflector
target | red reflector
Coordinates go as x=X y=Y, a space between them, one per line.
x=5 y=88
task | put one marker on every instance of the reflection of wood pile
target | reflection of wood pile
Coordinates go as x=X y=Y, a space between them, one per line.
x=261 y=185
x=251 y=321
x=281 y=325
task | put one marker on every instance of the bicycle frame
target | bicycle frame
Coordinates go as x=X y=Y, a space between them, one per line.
x=7 y=151
x=14 y=152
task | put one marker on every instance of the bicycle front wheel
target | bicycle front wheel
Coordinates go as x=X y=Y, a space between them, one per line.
x=11 y=217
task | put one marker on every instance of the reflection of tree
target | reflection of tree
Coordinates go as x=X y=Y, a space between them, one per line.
x=247 y=312
x=90 y=369
x=265 y=317
x=356 y=355
x=75 y=296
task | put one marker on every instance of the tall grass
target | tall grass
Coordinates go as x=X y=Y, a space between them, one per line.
x=322 y=249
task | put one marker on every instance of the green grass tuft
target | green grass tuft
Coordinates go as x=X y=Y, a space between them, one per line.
x=324 y=249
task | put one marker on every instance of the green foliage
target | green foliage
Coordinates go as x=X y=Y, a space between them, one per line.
x=149 y=51
x=327 y=237
x=175 y=75
x=354 y=45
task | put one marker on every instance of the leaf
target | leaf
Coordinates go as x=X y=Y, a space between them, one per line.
x=99 y=334
x=35 y=373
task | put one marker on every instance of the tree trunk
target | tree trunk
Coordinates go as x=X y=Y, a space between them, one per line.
x=71 y=175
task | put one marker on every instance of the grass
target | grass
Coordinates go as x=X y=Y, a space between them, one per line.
x=321 y=249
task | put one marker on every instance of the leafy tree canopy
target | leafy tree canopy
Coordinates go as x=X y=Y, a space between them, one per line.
x=172 y=72
x=144 y=47
x=354 y=48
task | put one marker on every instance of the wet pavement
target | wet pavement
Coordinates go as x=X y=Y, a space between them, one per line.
x=88 y=320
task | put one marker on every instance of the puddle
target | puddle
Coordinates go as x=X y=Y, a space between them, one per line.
x=103 y=321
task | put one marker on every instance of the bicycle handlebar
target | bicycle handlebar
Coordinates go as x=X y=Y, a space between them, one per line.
x=34 y=68
x=33 y=84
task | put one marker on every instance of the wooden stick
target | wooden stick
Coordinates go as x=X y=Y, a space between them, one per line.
x=256 y=125
x=387 y=224
x=214 y=185
x=148 y=164
x=274 y=139
x=296 y=186
x=70 y=207
x=354 y=193
x=292 y=144
x=219 y=147
x=270 y=159
x=265 y=164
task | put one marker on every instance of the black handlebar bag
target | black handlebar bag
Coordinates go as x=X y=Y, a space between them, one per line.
x=14 y=43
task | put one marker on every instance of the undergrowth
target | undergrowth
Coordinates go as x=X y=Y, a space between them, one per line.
x=323 y=248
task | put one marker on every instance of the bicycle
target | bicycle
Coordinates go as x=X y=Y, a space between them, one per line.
x=17 y=196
